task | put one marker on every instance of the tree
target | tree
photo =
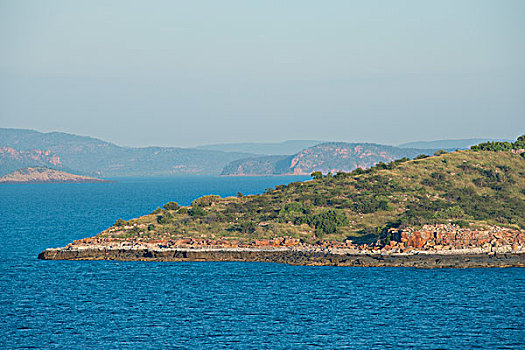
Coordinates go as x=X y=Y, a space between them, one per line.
x=171 y=206
x=317 y=175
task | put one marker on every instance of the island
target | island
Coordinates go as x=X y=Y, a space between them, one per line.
x=458 y=210
x=41 y=175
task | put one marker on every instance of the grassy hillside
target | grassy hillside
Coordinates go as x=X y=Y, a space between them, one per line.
x=465 y=187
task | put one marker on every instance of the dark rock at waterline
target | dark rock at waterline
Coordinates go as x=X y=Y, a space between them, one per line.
x=293 y=257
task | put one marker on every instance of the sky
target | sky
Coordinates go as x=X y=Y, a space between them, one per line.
x=186 y=73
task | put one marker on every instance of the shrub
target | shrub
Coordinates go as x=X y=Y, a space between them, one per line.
x=171 y=206
x=328 y=221
x=453 y=212
x=437 y=176
x=341 y=175
x=157 y=211
x=295 y=212
x=120 y=222
x=164 y=218
x=205 y=201
x=461 y=223
x=370 y=204
x=320 y=201
x=196 y=211
x=246 y=227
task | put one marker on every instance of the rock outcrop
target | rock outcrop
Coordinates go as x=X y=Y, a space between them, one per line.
x=446 y=237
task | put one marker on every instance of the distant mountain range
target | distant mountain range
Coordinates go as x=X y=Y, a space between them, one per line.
x=89 y=156
x=20 y=148
x=326 y=157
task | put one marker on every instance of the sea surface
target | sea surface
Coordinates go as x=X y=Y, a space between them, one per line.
x=204 y=305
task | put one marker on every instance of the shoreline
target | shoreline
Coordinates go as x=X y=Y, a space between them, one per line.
x=308 y=256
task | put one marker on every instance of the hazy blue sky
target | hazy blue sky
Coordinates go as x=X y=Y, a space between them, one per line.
x=183 y=73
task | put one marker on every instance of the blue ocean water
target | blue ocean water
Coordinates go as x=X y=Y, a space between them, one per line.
x=146 y=305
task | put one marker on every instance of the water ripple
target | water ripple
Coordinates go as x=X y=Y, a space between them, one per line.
x=130 y=305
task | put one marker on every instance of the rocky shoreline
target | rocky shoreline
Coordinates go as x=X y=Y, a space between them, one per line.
x=432 y=246
x=313 y=256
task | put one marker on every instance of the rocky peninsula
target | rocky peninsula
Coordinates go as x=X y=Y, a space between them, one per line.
x=460 y=209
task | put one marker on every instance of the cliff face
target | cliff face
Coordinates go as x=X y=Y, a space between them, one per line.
x=451 y=237
x=326 y=157
x=45 y=175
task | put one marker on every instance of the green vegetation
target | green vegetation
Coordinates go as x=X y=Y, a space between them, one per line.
x=501 y=146
x=171 y=206
x=482 y=186
x=316 y=175
x=120 y=222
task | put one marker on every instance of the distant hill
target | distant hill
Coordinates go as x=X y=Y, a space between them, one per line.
x=448 y=144
x=263 y=165
x=278 y=148
x=44 y=175
x=21 y=148
x=12 y=159
x=92 y=156
x=326 y=157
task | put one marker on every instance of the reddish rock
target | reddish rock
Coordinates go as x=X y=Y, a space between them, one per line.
x=451 y=236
